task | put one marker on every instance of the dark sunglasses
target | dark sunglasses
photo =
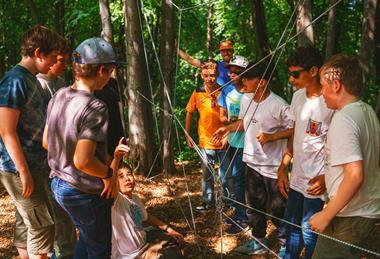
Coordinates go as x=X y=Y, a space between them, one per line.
x=296 y=74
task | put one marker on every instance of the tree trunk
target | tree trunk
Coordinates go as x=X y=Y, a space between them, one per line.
x=260 y=27
x=377 y=58
x=368 y=31
x=210 y=12
x=166 y=60
x=304 y=19
x=34 y=11
x=59 y=16
x=141 y=135
x=331 y=30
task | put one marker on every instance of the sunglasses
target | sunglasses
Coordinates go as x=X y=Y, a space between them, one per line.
x=296 y=74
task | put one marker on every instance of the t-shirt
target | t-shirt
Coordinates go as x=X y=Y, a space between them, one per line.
x=19 y=89
x=128 y=235
x=223 y=73
x=354 y=135
x=229 y=99
x=208 y=110
x=312 y=120
x=50 y=86
x=73 y=115
x=271 y=116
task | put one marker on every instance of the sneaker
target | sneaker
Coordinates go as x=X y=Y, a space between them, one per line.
x=203 y=208
x=252 y=247
x=234 y=229
x=281 y=252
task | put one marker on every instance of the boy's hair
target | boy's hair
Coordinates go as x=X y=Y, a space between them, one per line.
x=347 y=70
x=258 y=69
x=210 y=64
x=89 y=70
x=306 y=57
x=43 y=38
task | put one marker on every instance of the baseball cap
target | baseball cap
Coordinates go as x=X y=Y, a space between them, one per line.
x=228 y=44
x=238 y=61
x=95 y=51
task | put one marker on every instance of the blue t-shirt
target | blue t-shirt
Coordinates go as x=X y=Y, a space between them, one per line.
x=20 y=89
x=230 y=100
x=223 y=71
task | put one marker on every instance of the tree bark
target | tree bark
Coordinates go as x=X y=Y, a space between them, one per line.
x=59 y=16
x=331 y=30
x=368 y=34
x=34 y=11
x=105 y=17
x=166 y=60
x=304 y=18
x=140 y=117
x=210 y=12
x=260 y=27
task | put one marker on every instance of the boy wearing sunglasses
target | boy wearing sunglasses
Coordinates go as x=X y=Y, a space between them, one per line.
x=312 y=118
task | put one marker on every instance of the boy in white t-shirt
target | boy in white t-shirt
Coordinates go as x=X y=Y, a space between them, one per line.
x=353 y=173
x=129 y=239
x=312 y=119
x=261 y=111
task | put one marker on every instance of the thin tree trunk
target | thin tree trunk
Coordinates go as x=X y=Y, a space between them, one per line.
x=167 y=47
x=139 y=110
x=259 y=24
x=34 y=11
x=210 y=12
x=59 y=16
x=304 y=19
x=331 y=30
x=368 y=34
x=377 y=58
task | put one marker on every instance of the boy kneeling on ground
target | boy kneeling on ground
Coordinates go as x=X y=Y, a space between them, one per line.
x=129 y=239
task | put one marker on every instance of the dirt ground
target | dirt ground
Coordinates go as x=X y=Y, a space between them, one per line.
x=168 y=198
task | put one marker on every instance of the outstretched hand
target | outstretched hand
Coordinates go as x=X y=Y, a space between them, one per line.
x=120 y=150
x=177 y=236
x=218 y=135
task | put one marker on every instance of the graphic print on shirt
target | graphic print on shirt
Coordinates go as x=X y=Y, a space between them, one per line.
x=314 y=128
x=137 y=216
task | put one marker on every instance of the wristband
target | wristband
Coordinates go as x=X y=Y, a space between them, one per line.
x=109 y=173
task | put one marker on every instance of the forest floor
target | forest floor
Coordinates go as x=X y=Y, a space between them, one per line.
x=167 y=198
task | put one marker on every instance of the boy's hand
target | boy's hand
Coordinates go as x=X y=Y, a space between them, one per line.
x=319 y=221
x=174 y=234
x=27 y=184
x=283 y=181
x=218 y=135
x=189 y=141
x=264 y=138
x=318 y=186
x=111 y=187
x=120 y=150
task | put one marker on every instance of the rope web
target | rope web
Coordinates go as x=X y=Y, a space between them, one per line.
x=221 y=196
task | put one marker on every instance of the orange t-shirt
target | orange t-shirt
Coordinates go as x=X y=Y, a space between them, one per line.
x=208 y=109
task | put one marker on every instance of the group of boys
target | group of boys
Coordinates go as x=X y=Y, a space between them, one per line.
x=329 y=134
x=76 y=181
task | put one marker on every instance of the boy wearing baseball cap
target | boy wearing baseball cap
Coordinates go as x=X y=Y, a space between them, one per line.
x=83 y=182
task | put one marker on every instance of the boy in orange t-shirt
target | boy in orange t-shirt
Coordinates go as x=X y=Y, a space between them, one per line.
x=204 y=101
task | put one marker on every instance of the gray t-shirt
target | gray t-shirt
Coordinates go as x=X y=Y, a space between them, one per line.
x=74 y=115
x=50 y=86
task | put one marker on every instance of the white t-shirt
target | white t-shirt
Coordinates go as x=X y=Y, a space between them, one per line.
x=128 y=235
x=354 y=135
x=271 y=117
x=312 y=120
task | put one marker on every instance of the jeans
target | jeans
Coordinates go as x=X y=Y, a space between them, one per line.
x=91 y=214
x=208 y=160
x=262 y=194
x=299 y=210
x=238 y=175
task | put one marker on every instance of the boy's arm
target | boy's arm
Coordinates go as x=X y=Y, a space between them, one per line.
x=8 y=132
x=153 y=221
x=44 y=138
x=220 y=133
x=352 y=179
x=189 y=140
x=189 y=59
x=223 y=115
x=266 y=137
x=282 y=176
